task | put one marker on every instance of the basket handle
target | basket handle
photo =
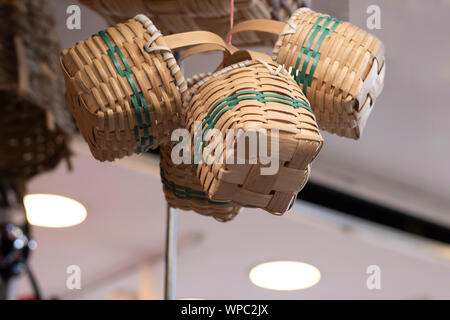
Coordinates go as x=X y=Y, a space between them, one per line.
x=22 y=67
x=261 y=25
x=195 y=38
x=202 y=48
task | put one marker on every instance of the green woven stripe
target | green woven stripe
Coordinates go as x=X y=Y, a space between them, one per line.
x=228 y=103
x=137 y=99
x=186 y=193
x=300 y=76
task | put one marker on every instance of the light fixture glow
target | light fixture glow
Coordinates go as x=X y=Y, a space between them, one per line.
x=53 y=211
x=284 y=275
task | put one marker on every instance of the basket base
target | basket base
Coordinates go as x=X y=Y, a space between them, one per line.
x=245 y=185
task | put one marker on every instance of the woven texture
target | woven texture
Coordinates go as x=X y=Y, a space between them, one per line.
x=174 y=16
x=125 y=100
x=183 y=190
x=253 y=95
x=34 y=123
x=29 y=145
x=28 y=68
x=339 y=67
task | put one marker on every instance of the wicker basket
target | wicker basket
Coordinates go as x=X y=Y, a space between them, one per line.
x=339 y=66
x=29 y=143
x=252 y=95
x=183 y=190
x=125 y=88
x=174 y=16
x=34 y=123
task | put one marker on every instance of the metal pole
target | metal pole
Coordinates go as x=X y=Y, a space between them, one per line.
x=11 y=289
x=171 y=254
x=8 y=289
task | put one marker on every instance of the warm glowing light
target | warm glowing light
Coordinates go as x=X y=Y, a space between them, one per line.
x=53 y=211
x=284 y=275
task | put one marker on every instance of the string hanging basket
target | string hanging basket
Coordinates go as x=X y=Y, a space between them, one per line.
x=125 y=88
x=175 y=16
x=248 y=96
x=183 y=190
x=34 y=123
x=339 y=66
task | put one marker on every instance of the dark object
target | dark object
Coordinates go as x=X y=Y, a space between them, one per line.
x=34 y=123
x=348 y=204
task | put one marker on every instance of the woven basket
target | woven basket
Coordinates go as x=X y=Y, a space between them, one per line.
x=183 y=190
x=175 y=16
x=34 y=123
x=339 y=66
x=29 y=58
x=252 y=95
x=125 y=88
x=29 y=145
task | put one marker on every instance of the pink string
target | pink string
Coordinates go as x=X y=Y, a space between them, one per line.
x=231 y=20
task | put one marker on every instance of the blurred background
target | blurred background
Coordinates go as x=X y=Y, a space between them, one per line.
x=383 y=200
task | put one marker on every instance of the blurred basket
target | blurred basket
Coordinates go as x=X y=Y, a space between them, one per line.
x=174 y=16
x=252 y=95
x=183 y=190
x=125 y=88
x=339 y=66
x=34 y=123
x=29 y=58
x=29 y=143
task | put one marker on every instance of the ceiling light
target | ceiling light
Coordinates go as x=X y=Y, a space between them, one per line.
x=53 y=211
x=284 y=275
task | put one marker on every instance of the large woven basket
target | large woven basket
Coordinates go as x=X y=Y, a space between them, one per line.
x=174 y=16
x=339 y=66
x=183 y=190
x=125 y=88
x=34 y=123
x=252 y=95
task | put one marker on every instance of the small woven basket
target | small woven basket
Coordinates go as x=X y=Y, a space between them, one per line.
x=125 y=88
x=183 y=190
x=249 y=96
x=34 y=123
x=175 y=16
x=339 y=66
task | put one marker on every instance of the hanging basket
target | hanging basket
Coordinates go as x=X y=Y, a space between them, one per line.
x=34 y=123
x=125 y=88
x=339 y=66
x=29 y=58
x=183 y=190
x=175 y=16
x=30 y=143
x=250 y=96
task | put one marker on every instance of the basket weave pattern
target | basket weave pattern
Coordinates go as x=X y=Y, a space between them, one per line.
x=126 y=100
x=28 y=145
x=183 y=190
x=253 y=95
x=34 y=124
x=339 y=67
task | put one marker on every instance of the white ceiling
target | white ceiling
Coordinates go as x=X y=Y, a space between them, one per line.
x=402 y=160
x=126 y=223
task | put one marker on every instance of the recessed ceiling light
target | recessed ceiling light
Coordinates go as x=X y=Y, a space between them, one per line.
x=53 y=211
x=284 y=275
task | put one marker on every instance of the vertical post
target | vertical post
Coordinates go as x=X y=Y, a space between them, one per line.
x=171 y=254
x=11 y=289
